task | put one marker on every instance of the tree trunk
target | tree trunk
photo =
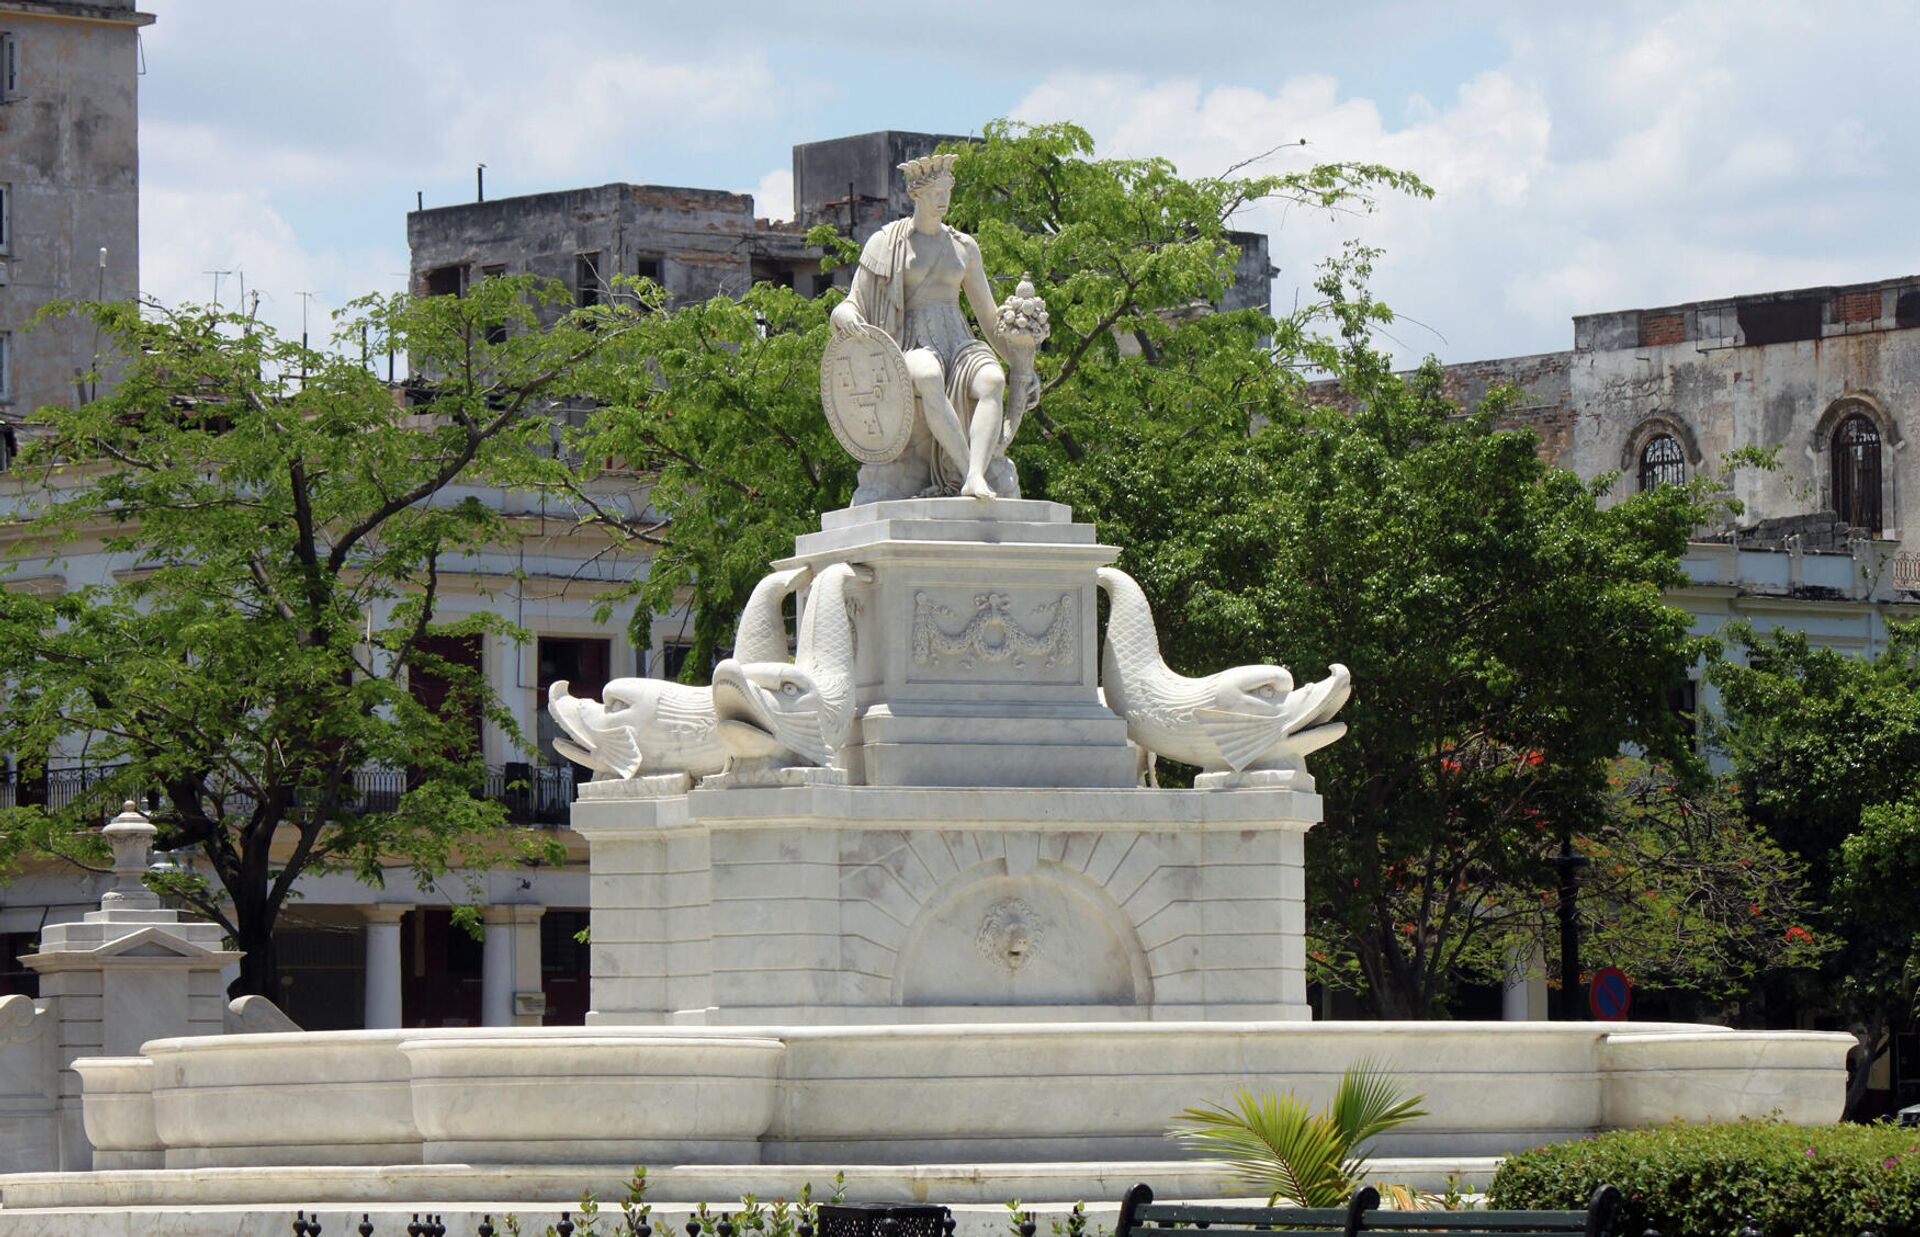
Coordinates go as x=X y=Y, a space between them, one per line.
x=1862 y=1058
x=1392 y=989
x=260 y=965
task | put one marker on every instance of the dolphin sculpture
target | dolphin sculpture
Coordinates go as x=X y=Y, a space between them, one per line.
x=663 y=727
x=774 y=714
x=1248 y=717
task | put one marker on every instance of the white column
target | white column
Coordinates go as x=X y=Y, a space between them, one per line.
x=1524 y=996
x=496 y=968
x=526 y=957
x=383 y=965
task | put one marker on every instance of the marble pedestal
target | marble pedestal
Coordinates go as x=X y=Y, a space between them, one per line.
x=858 y=904
x=977 y=654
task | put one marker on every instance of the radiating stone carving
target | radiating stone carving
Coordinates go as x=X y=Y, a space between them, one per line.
x=992 y=634
x=1243 y=723
x=668 y=729
x=775 y=715
x=969 y=393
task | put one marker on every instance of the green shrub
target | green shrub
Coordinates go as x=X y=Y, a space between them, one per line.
x=1707 y=1180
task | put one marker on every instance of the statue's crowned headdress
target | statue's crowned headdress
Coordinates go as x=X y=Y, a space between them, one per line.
x=926 y=170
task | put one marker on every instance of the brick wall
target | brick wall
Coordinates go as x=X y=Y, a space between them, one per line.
x=1657 y=329
x=1856 y=307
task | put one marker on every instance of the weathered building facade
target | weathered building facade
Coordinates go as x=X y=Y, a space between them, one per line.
x=1826 y=379
x=698 y=243
x=69 y=190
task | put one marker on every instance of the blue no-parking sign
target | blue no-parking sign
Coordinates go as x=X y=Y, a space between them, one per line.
x=1610 y=994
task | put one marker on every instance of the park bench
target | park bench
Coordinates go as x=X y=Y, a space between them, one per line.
x=1140 y=1216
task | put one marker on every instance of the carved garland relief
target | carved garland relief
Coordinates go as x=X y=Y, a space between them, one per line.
x=991 y=634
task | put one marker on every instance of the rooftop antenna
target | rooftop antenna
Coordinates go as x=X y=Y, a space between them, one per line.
x=419 y=199
x=216 y=283
x=479 y=182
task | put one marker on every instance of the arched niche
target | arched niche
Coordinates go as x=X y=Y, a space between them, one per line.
x=1046 y=936
x=1659 y=425
x=1845 y=418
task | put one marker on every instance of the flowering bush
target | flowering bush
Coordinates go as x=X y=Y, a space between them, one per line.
x=1707 y=1180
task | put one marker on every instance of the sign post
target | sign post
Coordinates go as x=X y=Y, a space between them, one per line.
x=1610 y=995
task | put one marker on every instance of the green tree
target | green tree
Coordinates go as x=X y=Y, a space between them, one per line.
x=1826 y=749
x=235 y=667
x=1683 y=891
x=709 y=417
x=1506 y=633
x=713 y=408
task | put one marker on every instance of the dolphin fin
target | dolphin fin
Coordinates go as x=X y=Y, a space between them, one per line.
x=1241 y=737
x=804 y=733
x=618 y=748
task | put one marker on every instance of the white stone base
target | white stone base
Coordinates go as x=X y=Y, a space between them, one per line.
x=866 y=904
x=644 y=786
x=919 y=1095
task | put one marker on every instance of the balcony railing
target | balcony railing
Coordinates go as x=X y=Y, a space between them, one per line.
x=538 y=796
x=1906 y=571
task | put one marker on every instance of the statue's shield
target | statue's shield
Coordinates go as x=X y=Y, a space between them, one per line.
x=867 y=396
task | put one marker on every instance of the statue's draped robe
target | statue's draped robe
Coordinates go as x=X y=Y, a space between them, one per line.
x=879 y=293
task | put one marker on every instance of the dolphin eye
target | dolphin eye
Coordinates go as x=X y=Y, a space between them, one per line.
x=789 y=689
x=1265 y=691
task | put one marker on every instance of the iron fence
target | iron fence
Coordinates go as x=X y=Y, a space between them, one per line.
x=533 y=795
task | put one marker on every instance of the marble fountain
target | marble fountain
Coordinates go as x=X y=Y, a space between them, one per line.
x=900 y=899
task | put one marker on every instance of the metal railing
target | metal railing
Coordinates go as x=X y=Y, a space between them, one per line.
x=533 y=795
x=1906 y=571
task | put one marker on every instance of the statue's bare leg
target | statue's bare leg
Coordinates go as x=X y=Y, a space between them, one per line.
x=989 y=389
x=930 y=384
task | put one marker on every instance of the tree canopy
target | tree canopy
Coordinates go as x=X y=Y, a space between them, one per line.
x=281 y=525
x=1825 y=748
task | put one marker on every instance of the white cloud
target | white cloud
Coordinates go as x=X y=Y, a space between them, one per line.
x=185 y=233
x=1637 y=157
x=1583 y=160
x=774 y=198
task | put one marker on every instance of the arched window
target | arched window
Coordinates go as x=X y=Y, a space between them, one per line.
x=1662 y=462
x=1856 y=472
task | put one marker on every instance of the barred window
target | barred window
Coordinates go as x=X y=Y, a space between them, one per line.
x=1662 y=462
x=1856 y=472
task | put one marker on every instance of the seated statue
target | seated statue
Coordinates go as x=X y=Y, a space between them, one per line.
x=907 y=289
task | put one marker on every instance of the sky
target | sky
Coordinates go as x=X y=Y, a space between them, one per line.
x=1584 y=158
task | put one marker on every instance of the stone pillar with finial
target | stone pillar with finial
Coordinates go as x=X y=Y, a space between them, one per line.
x=124 y=974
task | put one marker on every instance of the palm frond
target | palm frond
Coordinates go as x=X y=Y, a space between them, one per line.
x=1277 y=1144
x=1367 y=1104
x=1274 y=1143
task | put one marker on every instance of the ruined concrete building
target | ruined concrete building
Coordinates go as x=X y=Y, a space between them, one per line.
x=698 y=243
x=1827 y=377
x=69 y=190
